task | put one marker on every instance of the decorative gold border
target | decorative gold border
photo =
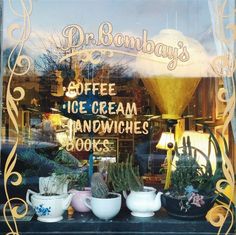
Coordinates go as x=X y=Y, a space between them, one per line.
x=87 y=55
x=216 y=217
x=12 y=100
x=225 y=66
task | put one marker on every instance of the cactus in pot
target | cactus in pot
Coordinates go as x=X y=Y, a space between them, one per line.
x=125 y=176
x=99 y=187
x=193 y=189
x=142 y=201
x=189 y=172
x=104 y=204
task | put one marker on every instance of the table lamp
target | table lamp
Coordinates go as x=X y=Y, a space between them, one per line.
x=167 y=142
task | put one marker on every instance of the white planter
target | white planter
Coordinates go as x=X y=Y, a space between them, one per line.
x=49 y=208
x=145 y=203
x=104 y=208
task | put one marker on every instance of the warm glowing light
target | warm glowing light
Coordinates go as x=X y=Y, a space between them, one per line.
x=166 y=138
x=71 y=94
x=62 y=138
x=55 y=119
x=200 y=141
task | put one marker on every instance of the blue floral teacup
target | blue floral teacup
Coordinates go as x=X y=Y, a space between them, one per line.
x=49 y=208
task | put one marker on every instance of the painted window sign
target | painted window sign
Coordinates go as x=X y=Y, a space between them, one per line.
x=115 y=112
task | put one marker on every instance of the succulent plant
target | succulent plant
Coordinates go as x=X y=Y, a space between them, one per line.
x=187 y=169
x=188 y=172
x=124 y=176
x=98 y=186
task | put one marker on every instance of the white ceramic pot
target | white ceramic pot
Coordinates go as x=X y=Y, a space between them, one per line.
x=104 y=208
x=145 y=203
x=49 y=208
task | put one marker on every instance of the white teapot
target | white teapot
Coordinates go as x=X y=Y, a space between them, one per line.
x=49 y=208
x=143 y=203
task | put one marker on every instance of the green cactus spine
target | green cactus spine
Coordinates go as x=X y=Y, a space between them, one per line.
x=98 y=186
x=124 y=176
x=189 y=172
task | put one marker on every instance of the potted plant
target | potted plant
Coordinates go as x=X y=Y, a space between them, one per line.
x=77 y=181
x=142 y=200
x=78 y=185
x=104 y=204
x=48 y=205
x=192 y=191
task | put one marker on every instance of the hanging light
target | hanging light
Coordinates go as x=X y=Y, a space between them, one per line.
x=172 y=90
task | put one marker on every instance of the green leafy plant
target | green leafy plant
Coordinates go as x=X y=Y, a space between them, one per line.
x=65 y=158
x=78 y=180
x=124 y=176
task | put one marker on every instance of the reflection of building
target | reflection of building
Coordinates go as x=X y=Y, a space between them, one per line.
x=44 y=94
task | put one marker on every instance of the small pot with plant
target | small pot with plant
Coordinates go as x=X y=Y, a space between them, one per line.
x=78 y=185
x=49 y=206
x=76 y=181
x=104 y=204
x=142 y=201
x=192 y=191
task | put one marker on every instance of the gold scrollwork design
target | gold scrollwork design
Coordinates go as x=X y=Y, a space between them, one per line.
x=95 y=55
x=12 y=99
x=222 y=16
x=230 y=104
x=225 y=66
x=90 y=55
x=218 y=214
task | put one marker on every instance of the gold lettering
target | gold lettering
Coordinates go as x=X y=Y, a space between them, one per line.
x=120 y=128
x=87 y=145
x=106 y=144
x=79 y=144
x=145 y=127
x=104 y=34
x=118 y=40
x=137 y=128
x=148 y=45
x=74 y=36
x=89 y=38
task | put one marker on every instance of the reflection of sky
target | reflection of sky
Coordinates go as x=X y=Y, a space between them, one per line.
x=192 y=17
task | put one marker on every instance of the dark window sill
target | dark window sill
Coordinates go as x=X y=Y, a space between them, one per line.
x=123 y=223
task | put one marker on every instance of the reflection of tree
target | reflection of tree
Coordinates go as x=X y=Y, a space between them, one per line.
x=48 y=63
x=6 y=56
x=29 y=81
x=72 y=69
x=46 y=162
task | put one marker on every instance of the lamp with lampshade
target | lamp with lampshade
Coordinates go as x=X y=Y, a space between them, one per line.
x=167 y=142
